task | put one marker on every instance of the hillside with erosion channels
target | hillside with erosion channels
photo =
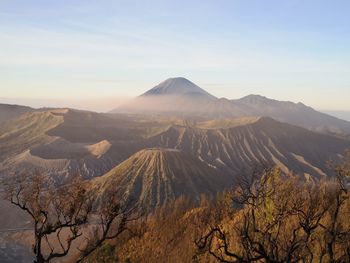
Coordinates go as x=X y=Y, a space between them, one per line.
x=172 y=155
x=63 y=143
x=156 y=176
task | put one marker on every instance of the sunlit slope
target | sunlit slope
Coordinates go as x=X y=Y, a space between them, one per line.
x=66 y=142
x=27 y=131
x=152 y=177
x=226 y=123
x=263 y=142
x=9 y=111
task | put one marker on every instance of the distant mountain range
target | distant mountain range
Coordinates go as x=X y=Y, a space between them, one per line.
x=181 y=97
x=63 y=143
x=175 y=139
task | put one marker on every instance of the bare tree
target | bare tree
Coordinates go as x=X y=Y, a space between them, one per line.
x=335 y=228
x=61 y=215
x=284 y=219
x=51 y=211
x=110 y=222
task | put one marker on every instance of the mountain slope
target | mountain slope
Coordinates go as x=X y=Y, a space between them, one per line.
x=27 y=131
x=9 y=112
x=257 y=142
x=174 y=96
x=177 y=86
x=293 y=113
x=152 y=177
x=180 y=97
x=62 y=143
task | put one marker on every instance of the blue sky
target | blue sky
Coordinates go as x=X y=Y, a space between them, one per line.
x=100 y=52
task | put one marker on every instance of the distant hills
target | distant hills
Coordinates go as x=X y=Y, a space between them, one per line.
x=9 y=111
x=65 y=142
x=175 y=139
x=181 y=97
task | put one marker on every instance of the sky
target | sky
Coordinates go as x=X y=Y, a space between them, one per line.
x=97 y=54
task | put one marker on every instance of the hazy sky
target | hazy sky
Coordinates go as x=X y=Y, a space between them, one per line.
x=91 y=51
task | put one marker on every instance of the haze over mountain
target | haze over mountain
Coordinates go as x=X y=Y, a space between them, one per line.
x=196 y=135
x=174 y=96
x=180 y=97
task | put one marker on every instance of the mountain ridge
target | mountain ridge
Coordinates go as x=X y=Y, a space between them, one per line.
x=91 y=144
x=160 y=101
x=263 y=142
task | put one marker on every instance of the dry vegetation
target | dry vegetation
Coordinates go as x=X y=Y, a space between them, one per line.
x=268 y=217
x=65 y=217
x=283 y=220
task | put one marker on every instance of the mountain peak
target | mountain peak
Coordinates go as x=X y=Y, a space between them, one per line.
x=177 y=86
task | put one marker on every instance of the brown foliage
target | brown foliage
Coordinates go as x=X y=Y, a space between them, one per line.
x=268 y=217
x=284 y=219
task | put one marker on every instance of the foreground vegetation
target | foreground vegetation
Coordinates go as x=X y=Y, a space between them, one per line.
x=267 y=217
